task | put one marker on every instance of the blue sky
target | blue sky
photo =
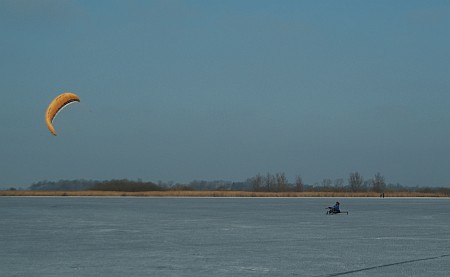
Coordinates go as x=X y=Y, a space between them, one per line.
x=223 y=90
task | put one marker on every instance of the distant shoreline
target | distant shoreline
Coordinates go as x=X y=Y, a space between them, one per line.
x=175 y=193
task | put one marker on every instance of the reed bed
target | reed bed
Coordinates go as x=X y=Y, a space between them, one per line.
x=184 y=193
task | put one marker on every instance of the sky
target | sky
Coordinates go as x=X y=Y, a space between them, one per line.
x=223 y=90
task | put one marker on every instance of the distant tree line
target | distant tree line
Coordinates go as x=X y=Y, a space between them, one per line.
x=68 y=185
x=354 y=183
x=111 y=185
x=127 y=185
x=268 y=182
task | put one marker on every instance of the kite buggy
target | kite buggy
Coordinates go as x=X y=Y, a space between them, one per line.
x=335 y=209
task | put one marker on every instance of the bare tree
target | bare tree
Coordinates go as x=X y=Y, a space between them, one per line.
x=256 y=182
x=270 y=182
x=378 y=183
x=355 y=181
x=282 y=182
x=339 y=184
x=326 y=183
x=299 y=185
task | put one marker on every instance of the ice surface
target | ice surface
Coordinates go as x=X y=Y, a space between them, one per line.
x=88 y=236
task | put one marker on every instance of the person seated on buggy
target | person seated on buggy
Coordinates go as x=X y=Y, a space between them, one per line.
x=335 y=209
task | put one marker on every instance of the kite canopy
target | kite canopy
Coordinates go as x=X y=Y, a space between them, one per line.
x=57 y=105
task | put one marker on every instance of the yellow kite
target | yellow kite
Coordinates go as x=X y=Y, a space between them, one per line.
x=57 y=105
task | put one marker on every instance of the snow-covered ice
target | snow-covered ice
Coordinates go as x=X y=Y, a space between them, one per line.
x=121 y=236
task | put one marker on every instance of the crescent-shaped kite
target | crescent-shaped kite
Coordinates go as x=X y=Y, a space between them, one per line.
x=57 y=105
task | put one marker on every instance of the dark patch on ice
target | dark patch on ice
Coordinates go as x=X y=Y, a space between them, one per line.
x=385 y=265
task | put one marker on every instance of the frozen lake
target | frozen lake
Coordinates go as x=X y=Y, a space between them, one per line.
x=88 y=236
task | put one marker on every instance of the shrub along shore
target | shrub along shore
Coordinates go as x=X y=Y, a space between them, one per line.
x=184 y=193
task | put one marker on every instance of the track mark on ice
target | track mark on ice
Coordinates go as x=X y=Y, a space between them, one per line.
x=385 y=265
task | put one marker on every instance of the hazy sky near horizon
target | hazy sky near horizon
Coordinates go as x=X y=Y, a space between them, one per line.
x=223 y=90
